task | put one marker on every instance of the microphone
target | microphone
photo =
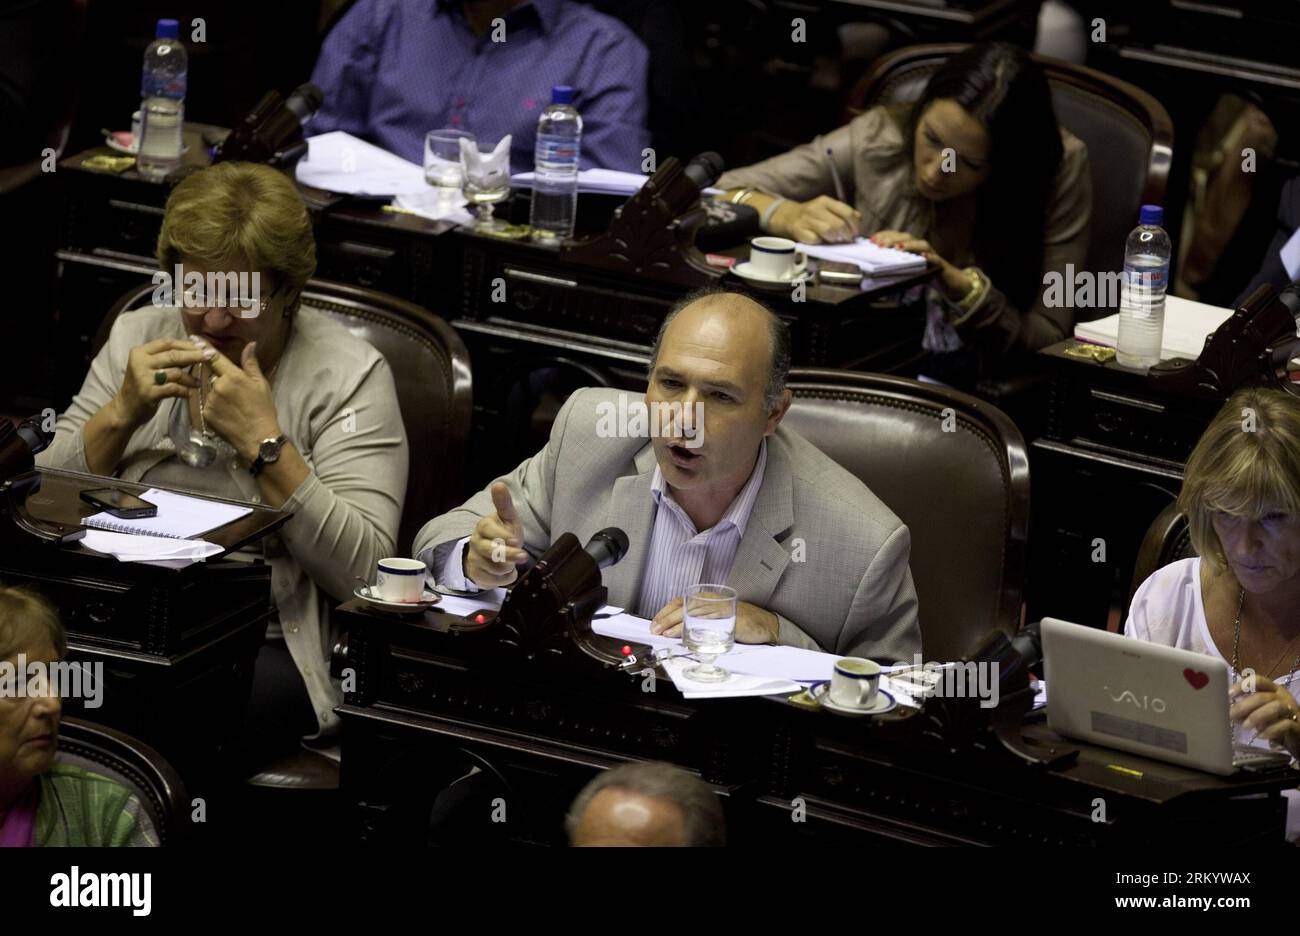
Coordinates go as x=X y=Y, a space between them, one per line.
x=304 y=102
x=705 y=169
x=272 y=131
x=19 y=446
x=607 y=547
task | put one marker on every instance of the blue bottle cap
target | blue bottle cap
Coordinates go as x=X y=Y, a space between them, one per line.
x=1152 y=214
x=168 y=29
x=561 y=94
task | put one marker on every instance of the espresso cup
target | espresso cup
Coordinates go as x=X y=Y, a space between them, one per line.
x=400 y=580
x=776 y=258
x=854 y=682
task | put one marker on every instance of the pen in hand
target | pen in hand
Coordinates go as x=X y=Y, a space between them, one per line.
x=850 y=234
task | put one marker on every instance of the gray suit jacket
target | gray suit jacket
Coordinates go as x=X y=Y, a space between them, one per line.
x=820 y=550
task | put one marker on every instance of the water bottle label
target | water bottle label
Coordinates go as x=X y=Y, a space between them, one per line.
x=1144 y=290
x=171 y=86
x=557 y=151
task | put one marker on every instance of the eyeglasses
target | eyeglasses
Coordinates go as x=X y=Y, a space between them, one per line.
x=195 y=302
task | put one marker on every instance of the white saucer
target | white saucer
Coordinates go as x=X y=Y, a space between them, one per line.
x=427 y=600
x=112 y=144
x=745 y=271
x=884 y=702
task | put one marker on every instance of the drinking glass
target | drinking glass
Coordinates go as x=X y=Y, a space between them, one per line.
x=487 y=181
x=442 y=158
x=708 y=629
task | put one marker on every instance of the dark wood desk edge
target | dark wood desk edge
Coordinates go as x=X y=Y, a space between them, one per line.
x=272 y=518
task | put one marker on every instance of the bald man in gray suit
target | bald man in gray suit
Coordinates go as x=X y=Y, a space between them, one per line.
x=720 y=492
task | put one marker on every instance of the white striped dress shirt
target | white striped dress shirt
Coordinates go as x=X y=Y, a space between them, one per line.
x=681 y=556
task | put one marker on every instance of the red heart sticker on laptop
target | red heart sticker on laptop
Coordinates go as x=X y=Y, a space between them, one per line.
x=1196 y=678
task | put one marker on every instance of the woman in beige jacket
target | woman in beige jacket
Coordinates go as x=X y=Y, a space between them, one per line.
x=976 y=176
x=226 y=385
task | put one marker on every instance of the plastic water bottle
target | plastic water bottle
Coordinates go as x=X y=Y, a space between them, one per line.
x=555 y=168
x=162 y=106
x=1142 y=293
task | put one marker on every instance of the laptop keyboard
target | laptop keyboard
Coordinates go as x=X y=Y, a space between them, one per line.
x=1244 y=755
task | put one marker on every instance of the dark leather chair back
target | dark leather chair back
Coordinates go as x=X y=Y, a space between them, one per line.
x=954 y=469
x=1168 y=539
x=431 y=370
x=136 y=766
x=1128 y=133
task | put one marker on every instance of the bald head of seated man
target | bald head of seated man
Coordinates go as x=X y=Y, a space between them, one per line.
x=709 y=487
x=646 y=805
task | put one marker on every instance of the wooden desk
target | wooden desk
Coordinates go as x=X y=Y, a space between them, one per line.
x=428 y=700
x=1111 y=458
x=177 y=645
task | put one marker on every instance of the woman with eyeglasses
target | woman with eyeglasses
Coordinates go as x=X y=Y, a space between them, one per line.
x=226 y=384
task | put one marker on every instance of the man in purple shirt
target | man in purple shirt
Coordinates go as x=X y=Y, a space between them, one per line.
x=392 y=70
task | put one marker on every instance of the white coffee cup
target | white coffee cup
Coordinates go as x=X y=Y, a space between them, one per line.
x=854 y=682
x=400 y=580
x=135 y=130
x=776 y=258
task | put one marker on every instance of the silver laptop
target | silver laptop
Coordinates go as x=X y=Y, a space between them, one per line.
x=1160 y=702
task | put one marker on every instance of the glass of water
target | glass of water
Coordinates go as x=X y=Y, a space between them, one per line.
x=442 y=158
x=708 y=629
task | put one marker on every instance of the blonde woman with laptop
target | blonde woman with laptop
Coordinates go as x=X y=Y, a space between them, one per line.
x=1239 y=599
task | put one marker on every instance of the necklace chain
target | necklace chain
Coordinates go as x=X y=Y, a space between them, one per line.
x=1236 y=649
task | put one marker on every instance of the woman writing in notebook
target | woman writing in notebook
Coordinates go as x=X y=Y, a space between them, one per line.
x=1239 y=598
x=975 y=175
x=228 y=385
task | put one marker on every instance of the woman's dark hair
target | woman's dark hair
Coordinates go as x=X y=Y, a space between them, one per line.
x=1002 y=88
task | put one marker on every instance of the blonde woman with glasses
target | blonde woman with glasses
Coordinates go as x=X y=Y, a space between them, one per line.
x=1239 y=599
x=228 y=385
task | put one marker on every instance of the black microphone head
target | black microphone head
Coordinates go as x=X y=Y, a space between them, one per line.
x=305 y=100
x=32 y=431
x=705 y=168
x=607 y=547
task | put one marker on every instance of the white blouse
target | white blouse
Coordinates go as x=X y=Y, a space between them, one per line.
x=1168 y=609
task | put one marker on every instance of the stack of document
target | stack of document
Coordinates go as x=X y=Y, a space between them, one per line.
x=868 y=257
x=134 y=547
x=601 y=182
x=168 y=538
x=339 y=162
x=1187 y=325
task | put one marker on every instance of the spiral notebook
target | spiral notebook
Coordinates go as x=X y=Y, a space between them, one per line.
x=179 y=516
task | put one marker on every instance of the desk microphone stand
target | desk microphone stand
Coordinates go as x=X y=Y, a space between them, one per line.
x=548 y=611
x=13 y=504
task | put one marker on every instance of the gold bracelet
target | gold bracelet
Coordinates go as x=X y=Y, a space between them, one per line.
x=976 y=291
x=741 y=195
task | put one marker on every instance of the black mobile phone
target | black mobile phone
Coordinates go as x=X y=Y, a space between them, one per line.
x=846 y=274
x=120 y=504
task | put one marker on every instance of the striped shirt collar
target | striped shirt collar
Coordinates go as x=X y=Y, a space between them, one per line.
x=737 y=514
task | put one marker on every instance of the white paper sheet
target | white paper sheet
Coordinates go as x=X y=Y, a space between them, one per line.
x=179 y=516
x=1187 y=325
x=735 y=685
x=436 y=205
x=131 y=547
x=339 y=162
